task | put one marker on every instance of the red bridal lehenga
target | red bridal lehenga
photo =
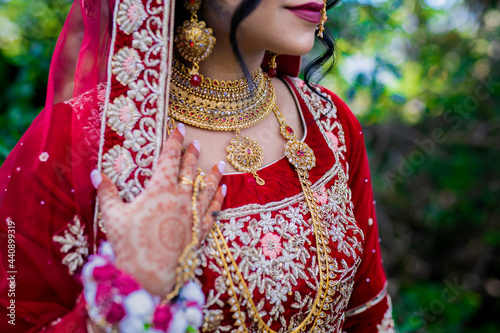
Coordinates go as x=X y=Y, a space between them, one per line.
x=265 y=257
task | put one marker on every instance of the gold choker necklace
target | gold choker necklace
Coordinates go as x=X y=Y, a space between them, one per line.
x=225 y=106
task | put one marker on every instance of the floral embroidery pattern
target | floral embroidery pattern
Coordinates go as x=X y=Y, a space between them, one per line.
x=274 y=248
x=271 y=245
x=321 y=196
x=74 y=244
x=127 y=65
x=118 y=164
x=122 y=115
x=134 y=111
x=131 y=15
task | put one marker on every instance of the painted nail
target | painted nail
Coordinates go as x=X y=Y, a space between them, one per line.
x=181 y=128
x=96 y=178
x=197 y=145
x=222 y=167
x=224 y=190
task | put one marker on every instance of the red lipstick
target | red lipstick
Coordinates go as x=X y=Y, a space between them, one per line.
x=310 y=12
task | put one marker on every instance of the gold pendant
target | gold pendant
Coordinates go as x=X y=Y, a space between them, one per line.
x=246 y=155
x=300 y=155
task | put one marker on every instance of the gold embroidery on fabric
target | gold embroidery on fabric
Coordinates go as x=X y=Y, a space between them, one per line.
x=74 y=244
x=136 y=116
x=265 y=252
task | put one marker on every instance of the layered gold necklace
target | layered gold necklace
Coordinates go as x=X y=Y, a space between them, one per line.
x=225 y=106
x=232 y=106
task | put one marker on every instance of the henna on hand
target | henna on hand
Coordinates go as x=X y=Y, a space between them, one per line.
x=149 y=234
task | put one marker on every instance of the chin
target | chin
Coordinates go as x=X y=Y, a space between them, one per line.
x=297 y=46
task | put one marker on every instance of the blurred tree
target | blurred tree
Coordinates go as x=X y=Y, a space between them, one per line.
x=423 y=77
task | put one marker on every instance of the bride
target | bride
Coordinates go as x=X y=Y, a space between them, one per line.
x=225 y=193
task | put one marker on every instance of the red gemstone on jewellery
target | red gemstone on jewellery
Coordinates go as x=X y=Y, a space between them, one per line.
x=191 y=43
x=300 y=153
x=289 y=130
x=195 y=80
x=249 y=152
x=272 y=72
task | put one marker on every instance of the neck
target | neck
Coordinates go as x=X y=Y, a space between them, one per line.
x=222 y=64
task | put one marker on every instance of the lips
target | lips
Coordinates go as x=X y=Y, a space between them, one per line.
x=310 y=12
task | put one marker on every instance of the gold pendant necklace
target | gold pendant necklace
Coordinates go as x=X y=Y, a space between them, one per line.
x=301 y=156
x=225 y=106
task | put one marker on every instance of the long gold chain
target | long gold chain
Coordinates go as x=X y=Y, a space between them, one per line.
x=302 y=158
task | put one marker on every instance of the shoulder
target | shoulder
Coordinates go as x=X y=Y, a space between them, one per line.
x=326 y=106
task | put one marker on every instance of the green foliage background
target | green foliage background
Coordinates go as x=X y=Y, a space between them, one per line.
x=423 y=77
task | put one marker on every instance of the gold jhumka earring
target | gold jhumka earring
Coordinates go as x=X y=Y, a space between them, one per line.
x=273 y=72
x=324 y=18
x=194 y=40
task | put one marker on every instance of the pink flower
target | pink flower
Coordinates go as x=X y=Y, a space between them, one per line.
x=271 y=245
x=105 y=273
x=162 y=317
x=334 y=140
x=321 y=196
x=126 y=284
x=103 y=293
x=115 y=314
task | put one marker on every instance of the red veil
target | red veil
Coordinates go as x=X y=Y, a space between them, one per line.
x=112 y=55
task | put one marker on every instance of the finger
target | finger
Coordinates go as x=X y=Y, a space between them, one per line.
x=167 y=170
x=211 y=183
x=189 y=166
x=211 y=214
x=107 y=193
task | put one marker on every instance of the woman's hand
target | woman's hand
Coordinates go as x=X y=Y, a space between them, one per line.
x=149 y=234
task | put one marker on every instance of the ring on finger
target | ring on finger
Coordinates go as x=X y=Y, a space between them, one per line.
x=186 y=181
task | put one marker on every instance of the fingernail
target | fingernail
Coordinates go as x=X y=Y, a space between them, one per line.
x=197 y=145
x=96 y=178
x=224 y=190
x=222 y=167
x=181 y=128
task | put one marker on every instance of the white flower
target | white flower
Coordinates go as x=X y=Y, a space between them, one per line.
x=134 y=140
x=107 y=251
x=142 y=40
x=192 y=292
x=266 y=222
x=278 y=294
x=138 y=90
x=118 y=163
x=88 y=269
x=139 y=304
x=131 y=15
x=131 y=325
x=178 y=324
x=233 y=229
x=194 y=317
x=89 y=292
x=122 y=115
x=294 y=215
x=127 y=65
